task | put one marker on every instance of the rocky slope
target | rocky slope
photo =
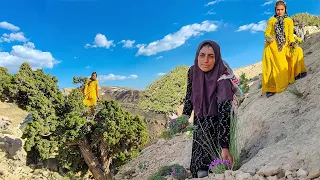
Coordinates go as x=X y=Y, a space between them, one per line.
x=278 y=137
x=284 y=127
x=12 y=154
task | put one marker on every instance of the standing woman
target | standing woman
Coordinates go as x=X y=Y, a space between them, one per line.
x=281 y=53
x=91 y=91
x=211 y=101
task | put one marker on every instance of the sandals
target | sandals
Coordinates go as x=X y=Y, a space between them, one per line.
x=301 y=75
x=269 y=94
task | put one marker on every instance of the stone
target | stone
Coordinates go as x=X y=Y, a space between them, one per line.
x=290 y=177
x=45 y=173
x=219 y=176
x=294 y=174
x=314 y=174
x=234 y=173
x=269 y=171
x=228 y=173
x=288 y=167
x=302 y=173
x=230 y=178
x=243 y=176
x=255 y=177
x=287 y=173
x=272 y=178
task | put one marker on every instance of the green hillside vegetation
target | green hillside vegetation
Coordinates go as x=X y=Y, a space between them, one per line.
x=59 y=129
x=166 y=93
x=307 y=19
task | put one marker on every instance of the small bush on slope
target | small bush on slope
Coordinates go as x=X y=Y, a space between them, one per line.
x=166 y=93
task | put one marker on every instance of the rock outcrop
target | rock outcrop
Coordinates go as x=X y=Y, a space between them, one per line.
x=12 y=155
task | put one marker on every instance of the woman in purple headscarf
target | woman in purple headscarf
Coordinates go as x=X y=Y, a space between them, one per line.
x=211 y=101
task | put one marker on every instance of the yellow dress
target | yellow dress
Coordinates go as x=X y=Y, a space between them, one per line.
x=91 y=93
x=275 y=68
x=295 y=59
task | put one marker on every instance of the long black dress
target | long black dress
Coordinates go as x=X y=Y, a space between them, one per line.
x=213 y=132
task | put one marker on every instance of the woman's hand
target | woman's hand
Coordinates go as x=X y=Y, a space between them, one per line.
x=225 y=154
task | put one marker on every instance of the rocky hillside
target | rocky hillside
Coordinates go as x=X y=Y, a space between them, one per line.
x=12 y=155
x=277 y=136
x=284 y=127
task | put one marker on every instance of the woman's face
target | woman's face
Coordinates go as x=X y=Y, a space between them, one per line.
x=206 y=59
x=280 y=10
x=93 y=76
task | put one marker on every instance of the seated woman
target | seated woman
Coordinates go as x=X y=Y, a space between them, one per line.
x=282 y=59
x=211 y=101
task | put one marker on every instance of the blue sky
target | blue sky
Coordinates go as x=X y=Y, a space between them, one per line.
x=130 y=43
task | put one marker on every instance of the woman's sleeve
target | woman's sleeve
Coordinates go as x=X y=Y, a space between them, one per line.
x=268 y=30
x=97 y=89
x=224 y=109
x=85 y=87
x=188 y=107
x=290 y=29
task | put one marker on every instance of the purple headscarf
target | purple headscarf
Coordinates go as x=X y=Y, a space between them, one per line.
x=206 y=91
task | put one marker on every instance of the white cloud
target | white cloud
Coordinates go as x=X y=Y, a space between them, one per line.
x=267 y=3
x=254 y=27
x=100 y=41
x=210 y=13
x=161 y=74
x=19 y=36
x=26 y=53
x=268 y=12
x=213 y=2
x=9 y=26
x=177 y=39
x=112 y=77
x=127 y=43
x=160 y=57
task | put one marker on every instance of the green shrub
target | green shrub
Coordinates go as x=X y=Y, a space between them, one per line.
x=5 y=83
x=167 y=170
x=307 y=19
x=166 y=93
x=244 y=83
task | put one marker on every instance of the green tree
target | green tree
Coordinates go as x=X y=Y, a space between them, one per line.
x=165 y=94
x=5 y=82
x=113 y=134
x=307 y=19
x=39 y=94
x=59 y=127
x=80 y=80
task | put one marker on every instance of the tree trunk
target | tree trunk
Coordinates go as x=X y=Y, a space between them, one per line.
x=105 y=159
x=91 y=161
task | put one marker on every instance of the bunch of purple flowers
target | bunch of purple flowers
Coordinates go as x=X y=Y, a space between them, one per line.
x=180 y=175
x=215 y=165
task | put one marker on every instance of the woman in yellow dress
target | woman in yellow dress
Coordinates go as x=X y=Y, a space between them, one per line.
x=281 y=53
x=91 y=91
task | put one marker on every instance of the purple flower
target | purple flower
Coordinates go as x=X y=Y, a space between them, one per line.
x=174 y=172
x=219 y=161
